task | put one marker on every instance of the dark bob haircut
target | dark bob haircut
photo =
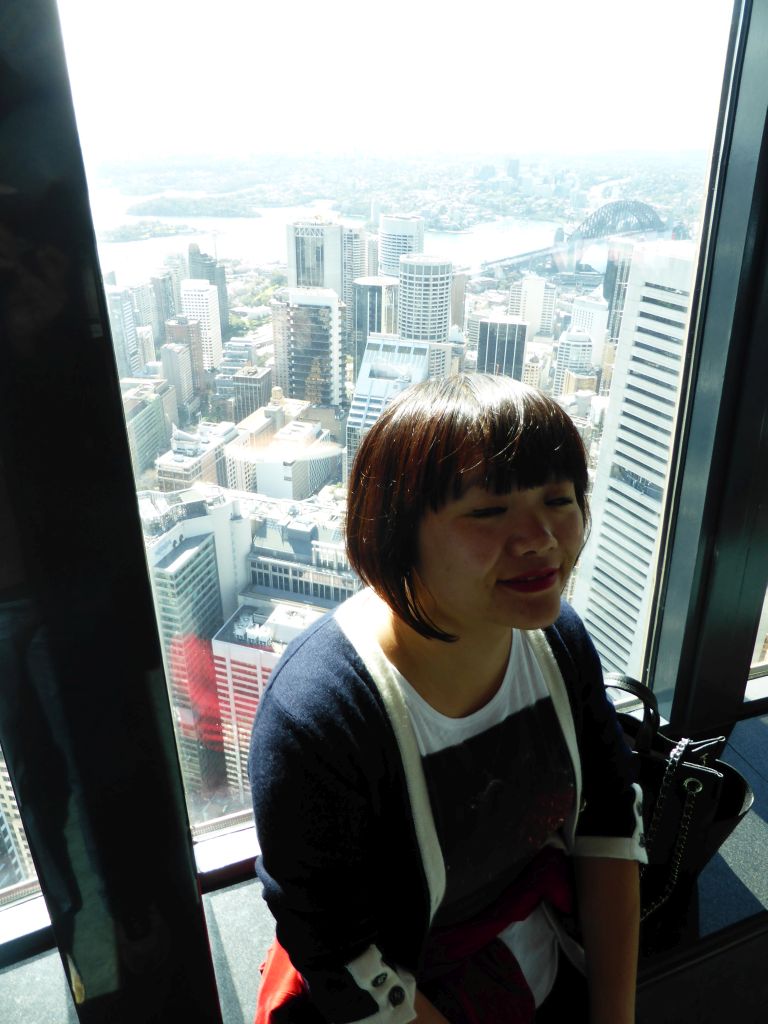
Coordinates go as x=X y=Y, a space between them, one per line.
x=424 y=449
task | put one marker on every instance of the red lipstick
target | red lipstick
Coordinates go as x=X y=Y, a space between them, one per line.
x=531 y=582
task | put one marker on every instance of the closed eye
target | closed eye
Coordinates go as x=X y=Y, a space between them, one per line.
x=487 y=513
x=564 y=500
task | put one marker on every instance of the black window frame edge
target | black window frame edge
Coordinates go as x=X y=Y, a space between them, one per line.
x=713 y=571
x=85 y=721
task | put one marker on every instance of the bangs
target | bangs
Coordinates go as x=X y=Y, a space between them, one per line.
x=520 y=440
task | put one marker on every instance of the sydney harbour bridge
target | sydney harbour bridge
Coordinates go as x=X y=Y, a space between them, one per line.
x=623 y=218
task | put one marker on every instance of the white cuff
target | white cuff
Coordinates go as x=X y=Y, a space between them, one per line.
x=393 y=990
x=619 y=847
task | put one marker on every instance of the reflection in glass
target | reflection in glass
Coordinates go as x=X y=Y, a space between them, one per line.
x=269 y=300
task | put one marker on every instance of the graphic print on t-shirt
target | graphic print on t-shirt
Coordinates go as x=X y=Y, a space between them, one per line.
x=496 y=799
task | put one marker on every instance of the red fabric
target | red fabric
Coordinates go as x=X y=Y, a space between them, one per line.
x=546 y=878
x=281 y=986
x=478 y=979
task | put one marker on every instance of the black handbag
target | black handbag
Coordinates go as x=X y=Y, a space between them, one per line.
x=692 y=801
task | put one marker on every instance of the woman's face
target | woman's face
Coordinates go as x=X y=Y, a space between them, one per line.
x=498 y=560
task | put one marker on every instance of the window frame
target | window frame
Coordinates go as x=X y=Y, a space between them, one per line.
x=714 y=564
x=711 y=571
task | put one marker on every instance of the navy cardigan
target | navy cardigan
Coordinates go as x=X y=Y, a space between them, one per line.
x=351 y=872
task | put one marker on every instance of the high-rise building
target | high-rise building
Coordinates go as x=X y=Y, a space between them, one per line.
x=615 y=577
x=398 y=236
x=353 y=264
x=164 y=307
x=145 y=338
x=198 y=544
x=178 y=266
x=145 y=308
x=176 y=361
x=245 y=651
x=182 y=330
x=374 y=310
x=372 y=255
x=574 y=352
x=615 y=283
x=189 y=612
x=389 y=365
x=308 y=349
x=205 y=267
x=200 y=301
x=236 y=354
x=315 y=255
x=122 y=322
x=424 y=298
x=252 y=388
x=532 y=299
x=590 y=314
x=150 y=411
x=532 y=372
x=459 y=299
x=501 y=345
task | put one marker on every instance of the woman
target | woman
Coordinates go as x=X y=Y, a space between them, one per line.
x=435 y=766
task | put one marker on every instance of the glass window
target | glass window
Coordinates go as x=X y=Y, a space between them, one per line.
x=234 y=223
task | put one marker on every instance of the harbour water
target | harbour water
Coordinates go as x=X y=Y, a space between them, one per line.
x=261 y=241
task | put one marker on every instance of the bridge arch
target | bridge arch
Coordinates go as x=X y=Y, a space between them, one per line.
x=620 y=218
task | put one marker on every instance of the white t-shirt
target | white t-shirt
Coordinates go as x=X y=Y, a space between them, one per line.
x=500 y=784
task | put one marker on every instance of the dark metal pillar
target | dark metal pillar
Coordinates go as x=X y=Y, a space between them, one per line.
x=85 y=723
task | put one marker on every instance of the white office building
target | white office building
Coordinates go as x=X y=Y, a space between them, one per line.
x=532 y=299
x=389 y=366
x=200 y=301
x=590 y=314
x=398 y=236
x=424 y=298
x=315 y=255
x=574 y=353
x=615 y=576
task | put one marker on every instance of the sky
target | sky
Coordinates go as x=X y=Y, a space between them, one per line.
x=153 y=78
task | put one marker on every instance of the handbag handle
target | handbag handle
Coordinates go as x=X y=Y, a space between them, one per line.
x=651 y=720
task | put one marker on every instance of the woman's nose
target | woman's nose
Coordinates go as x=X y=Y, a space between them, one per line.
x=530 y=535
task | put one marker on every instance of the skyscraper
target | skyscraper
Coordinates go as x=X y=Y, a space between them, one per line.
x=245 y=651
x=200 y=301
x=164 y=305
x=574 y=352
x=389 y=365
x=205 y=267
x=122 y=322
x=197 y=548
x=459 y=299
x=590 y=314
x=424 y=298
x=308 y=350
x=533 y=299
x=374 y=310
x=353 y=264
x=615 y=283
x=615 y=580
x=182 y=330
x=398 y=236
x=315 y=255
x=252 y=389
x=501 y=345
x=177 y=370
